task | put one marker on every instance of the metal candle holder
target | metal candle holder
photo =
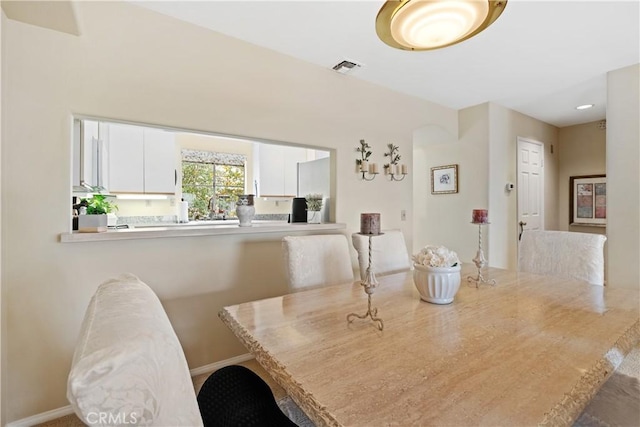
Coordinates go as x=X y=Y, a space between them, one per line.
x=480 y=261
x=369 y=285
x=394 y=176
x=392 y=167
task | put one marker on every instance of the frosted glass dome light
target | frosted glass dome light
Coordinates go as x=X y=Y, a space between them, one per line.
x=433 y=24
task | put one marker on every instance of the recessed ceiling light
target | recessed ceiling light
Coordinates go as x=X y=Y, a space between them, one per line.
x=584 y=106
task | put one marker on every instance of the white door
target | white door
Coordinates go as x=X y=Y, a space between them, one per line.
x=530 y=185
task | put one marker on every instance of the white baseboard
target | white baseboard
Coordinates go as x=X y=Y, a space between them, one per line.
x=42 y=417
x=45 y=417
x=206 y=369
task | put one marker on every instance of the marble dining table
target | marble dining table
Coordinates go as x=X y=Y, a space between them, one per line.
x=531 y=350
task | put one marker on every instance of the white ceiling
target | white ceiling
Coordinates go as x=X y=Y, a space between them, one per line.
x=541 y=58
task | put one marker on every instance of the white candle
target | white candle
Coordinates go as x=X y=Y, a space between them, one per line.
x=374 y=168
x=404 y=169
x=364 y=166
x=397 y=171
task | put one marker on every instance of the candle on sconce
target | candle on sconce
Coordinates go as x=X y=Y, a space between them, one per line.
x=370 y=223
x=364 y=166
x=404 y=170
x=373 y=168
x=480 y=216
x=396 y=170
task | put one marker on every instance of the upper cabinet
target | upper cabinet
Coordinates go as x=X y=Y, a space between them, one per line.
x=126 y=159
x=90 y=161
x=141 y=160
x=279 y=169
x=159 y=161
x=123 y=158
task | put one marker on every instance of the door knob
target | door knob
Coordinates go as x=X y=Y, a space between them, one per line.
x=521 y=224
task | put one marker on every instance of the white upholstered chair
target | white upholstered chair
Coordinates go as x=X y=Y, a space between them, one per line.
x=317 y=260
x=128 y=363
x=129 y=368
x=388 y=253
x=563 y=253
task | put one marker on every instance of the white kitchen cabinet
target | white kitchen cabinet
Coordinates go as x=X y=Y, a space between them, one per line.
x=90 y=158
x=159 y=161
x=126 y=159
x=278 y=169
x=271 y=178
x=141 y=160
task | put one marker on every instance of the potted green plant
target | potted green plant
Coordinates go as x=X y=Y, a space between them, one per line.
x=93 y=218
x=314 y=205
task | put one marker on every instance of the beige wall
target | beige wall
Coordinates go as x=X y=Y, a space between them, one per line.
x=623 y=177
x=485 y=151
x=423 y=140
x=134 y=65
x=2 y=299
x=445 y=218
x=505 y=128
x=582 y=151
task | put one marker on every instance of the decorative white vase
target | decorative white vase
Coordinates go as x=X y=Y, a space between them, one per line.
x=437 y=285
x=245 y=214
x=313 y=217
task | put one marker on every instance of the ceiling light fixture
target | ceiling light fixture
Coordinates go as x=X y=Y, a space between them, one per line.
x=584 y=106
x=433 y=24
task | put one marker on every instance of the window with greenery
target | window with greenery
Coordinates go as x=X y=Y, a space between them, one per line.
x=212 y=188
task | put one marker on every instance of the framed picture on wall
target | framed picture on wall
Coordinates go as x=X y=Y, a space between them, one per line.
x=588 y=200
x=444 y=179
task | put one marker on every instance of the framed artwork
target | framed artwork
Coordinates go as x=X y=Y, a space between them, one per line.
x=588 y=200
x=444 y=179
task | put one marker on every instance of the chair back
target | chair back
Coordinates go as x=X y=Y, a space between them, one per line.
x=388 y=253
x=563 y=253
x=317 y=260
x=128 y=364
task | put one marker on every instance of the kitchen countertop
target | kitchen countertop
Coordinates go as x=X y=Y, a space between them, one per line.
x=195 y=229
x=203 y=223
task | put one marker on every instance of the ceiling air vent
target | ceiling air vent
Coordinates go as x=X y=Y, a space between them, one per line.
x=345 y=66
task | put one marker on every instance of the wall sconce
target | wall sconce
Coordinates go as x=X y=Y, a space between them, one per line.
x=368 y=170
x=393 y=170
